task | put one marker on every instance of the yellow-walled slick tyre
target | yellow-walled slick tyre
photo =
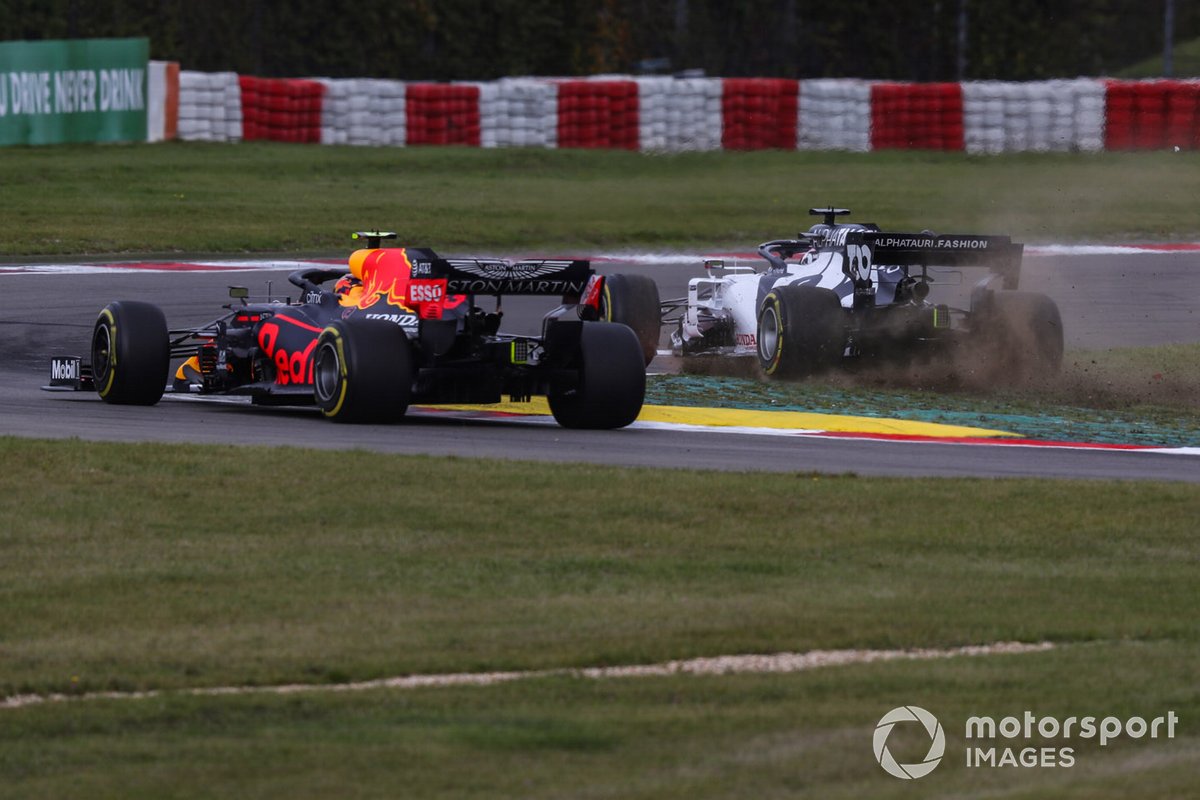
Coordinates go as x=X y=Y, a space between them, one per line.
x=131 y=354
x=800 y=331
x=633 y=300
x=611 y=384
x=363 y=371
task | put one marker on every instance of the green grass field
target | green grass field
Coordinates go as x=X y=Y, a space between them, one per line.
x=388 y=569
x=152 y=566
x=199 y=198
x=132 y=567
x=806 y=735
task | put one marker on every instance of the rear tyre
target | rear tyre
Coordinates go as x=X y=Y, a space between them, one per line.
x=633 y=300
x=131 y=354
x=800 y=331
x=1022 y=336
x=611 y=384
x=362 y=371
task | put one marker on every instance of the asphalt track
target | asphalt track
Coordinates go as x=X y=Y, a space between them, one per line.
x=1106 y=301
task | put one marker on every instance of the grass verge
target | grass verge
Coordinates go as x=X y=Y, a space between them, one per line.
x=136 y=566
x=193 y=197
x=801 y=735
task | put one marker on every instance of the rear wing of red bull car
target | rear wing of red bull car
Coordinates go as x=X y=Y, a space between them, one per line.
x=487 y=276
x=479 y=276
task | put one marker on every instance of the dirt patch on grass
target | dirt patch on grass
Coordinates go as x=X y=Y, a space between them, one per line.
x=1163 y=377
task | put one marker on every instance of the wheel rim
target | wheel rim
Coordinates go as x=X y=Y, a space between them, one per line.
x=326 y=372
x=768 y=334
x=101 y=353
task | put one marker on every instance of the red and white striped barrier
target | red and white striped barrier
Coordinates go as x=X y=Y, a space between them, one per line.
x=677 y=114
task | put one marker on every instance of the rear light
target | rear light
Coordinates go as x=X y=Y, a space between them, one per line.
x=589 y=301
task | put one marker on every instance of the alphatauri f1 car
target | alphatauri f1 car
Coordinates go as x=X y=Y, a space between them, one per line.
x=400 y=326
x=850 y=290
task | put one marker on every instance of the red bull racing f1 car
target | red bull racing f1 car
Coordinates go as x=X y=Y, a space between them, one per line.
x=850 y=290
x=399 y=327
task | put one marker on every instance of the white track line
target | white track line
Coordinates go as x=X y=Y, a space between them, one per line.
x=1037 y=250
x=717 y=665
x=649 y=259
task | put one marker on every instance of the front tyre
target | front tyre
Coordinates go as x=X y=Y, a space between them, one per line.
x=611 y=382
x=801 y=331
x=633 y=300
x=131 y=353
x=363 y=371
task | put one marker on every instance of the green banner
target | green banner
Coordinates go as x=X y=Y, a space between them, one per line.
x=83 y=90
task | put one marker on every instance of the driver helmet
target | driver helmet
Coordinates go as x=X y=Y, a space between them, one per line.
x=344 y=284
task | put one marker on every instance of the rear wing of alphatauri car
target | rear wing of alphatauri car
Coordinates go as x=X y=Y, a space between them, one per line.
x=999 y=254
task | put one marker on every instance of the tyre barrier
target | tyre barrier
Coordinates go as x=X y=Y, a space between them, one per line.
x=666 y=114
x=1038 y=116
x=598 y=114
x=1152 y=115
x=364 y=111
x=281 y=109
x=916 y=116
x=518 y=112
x=442 y=114
x=759 y=113
x=834 y=114
x=679 y=114
x=210 y=107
